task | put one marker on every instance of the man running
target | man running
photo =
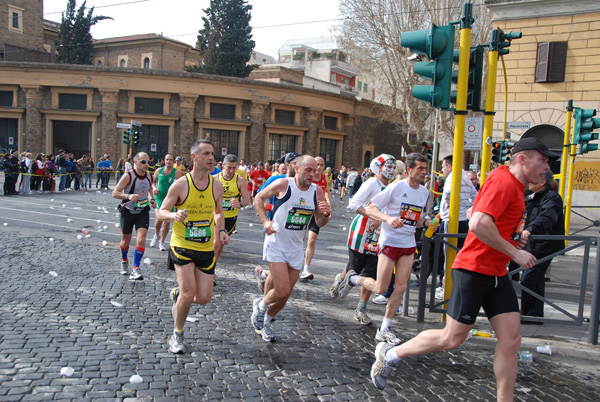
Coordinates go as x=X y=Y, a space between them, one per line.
x=163 y=178
x=480 y=274
x=134 y=189
x=343 y=176
x=235 y=196
x=313 y=229
x=364 y=233
x=297 y=199
x=199 y=226
x=403 y=202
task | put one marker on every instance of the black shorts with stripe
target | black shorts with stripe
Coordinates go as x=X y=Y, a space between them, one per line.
x=204 y=260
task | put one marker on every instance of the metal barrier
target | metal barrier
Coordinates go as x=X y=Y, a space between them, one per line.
x=592 y=224
x=440 y=239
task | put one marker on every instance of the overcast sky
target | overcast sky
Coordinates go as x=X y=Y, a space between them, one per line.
x=273 y=21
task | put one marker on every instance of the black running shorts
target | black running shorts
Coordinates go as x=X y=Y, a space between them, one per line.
x=363 y=264
x=129 y=220
x=472 y=290
x=312 y=225
x=230 y=224
x=204 y=260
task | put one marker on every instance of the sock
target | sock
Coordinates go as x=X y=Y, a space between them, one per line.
x=306 y=267
x=361 y=305
x=268 y=318
x=177 y=331
x=137 y=256
x=262 y=306
x=124 y=252
x=391 y=356
x=263 y=275
x=385 y=324
x=353 y=280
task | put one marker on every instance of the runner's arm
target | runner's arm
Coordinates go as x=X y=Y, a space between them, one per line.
x=243 y=186
x=374 y=213
x=118 y=190
x=323 y=210
x=221 y=235
x=154 y=181
x=277 y=187
x=173 y=196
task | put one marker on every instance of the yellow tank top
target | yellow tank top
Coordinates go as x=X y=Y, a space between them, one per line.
x=242 y=173
x=197 y=232
x=231 y=192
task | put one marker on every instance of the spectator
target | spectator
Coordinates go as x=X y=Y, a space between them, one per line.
x=49 y=170
x=99 y=170
x=61 y=163
x=87 y=166
x=11 y=172
x=37 y=172
x=119 y=169
x=26 y=163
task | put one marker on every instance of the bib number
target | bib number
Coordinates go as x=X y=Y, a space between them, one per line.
x=298 y=219
x=227 y=204
x=138 y=206
x=199 y=231
x=410 y=214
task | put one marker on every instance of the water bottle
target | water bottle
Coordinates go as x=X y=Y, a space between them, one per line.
x=545 y=349
x=434 y=222
x=275 y=226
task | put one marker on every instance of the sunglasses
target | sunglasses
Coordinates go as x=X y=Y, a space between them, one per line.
x=143 y=161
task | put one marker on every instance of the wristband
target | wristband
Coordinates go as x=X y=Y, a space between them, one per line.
x=223 y=230
x=327 y=216
x=127 y=197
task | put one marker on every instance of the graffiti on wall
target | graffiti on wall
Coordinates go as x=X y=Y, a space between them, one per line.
x=586 y=176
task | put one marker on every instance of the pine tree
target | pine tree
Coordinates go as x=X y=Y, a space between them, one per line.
x=74 y=43
x=226 y=42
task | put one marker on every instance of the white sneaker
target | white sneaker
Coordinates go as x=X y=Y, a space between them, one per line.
x=136 y=274
x=161 y=246
x=306 y=275
x=154 y=240
x=176 y=343
x=387 y=336
x=381 y=299
x=439 y=293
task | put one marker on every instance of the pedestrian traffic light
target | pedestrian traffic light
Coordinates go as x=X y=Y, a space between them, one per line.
x=428 y=149
x=436 y=43
x=474 y=78
x=503 y=39
x=136 y=138
x=126 y=136
x=585 y=123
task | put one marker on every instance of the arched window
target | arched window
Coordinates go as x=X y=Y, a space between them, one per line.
x=147 y=63
x=99 y=63
x=122 y=63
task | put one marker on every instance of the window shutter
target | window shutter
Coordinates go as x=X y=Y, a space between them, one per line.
x=541 y=66
x=557 y=61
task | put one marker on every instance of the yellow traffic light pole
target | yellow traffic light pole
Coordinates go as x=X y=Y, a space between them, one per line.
x=488 y=124
x=565 y=153
x=572 y=155
x=459 y=138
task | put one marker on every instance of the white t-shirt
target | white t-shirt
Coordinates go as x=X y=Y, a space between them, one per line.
x=467 y=197
x=400 y=199
x=360 y=230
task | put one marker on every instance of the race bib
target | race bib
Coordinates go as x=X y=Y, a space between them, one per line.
x=298 y=218
x=138 y=206
x=410 y=213
x=227 y=204
x=372 y=238
x=517 y=235
x=198 y=231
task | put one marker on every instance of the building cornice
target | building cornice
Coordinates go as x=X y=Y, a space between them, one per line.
x=504 y=10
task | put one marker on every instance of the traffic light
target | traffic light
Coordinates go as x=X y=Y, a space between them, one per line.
x=474 y=80
x=507 y=147
x=126 y=136
x=503 y=39
x=496 y=149
x=436 y=43
x=428 y=149
x=136 y=138
x=585 y=123
x=501 y=151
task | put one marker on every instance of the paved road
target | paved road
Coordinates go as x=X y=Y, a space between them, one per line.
x=49 y=322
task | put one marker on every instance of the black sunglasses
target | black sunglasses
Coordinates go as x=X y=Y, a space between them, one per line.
x=143 y=161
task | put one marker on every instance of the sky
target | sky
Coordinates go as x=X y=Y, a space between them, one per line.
x=273 y=21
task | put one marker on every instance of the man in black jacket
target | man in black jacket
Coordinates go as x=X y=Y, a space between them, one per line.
x=544 y=217
x=11 y=172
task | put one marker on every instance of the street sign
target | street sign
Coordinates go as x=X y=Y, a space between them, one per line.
x=223 y=151
x=136 y=123
x=518 y=125
x=123 y=125
x=473 y=133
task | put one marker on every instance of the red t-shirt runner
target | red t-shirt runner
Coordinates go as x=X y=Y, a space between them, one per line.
x=322 y=183
x=502 y=198
x=258 y=177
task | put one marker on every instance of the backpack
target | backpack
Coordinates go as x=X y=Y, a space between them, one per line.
x=23 y=167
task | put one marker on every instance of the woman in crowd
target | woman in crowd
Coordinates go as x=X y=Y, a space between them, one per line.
x=49 y=169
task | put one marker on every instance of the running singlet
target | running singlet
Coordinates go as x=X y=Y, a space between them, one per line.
x=231 y=192
x=362 y=236
x=164 y=182
x=138 y=185
x=197 y=232
x=292 y=213
x=322 y=183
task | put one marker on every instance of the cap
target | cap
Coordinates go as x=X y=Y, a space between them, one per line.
x=530 y=143
x=280 y=160
x=379 y=161
x=178 y=158
x=261 y=164
x=28 y=150
x=290 y=156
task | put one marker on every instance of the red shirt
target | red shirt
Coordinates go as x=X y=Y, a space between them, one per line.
x=322 y=183
x=258 y=177
x=502 y=198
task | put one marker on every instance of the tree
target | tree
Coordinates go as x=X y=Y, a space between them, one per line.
x=371 y=32
x=226 y=42
x=74 y=43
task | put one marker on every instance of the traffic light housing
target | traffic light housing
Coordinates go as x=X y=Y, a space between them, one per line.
x=475 y=77
x=507 y=147
x=504 y=39
x=136 y=138
x=437 y=44
x=126 y=136
x=585 y=123
x=501 y=151
x=496 y=149
x=428 y=149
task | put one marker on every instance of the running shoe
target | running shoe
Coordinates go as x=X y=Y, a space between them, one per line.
x=176 y=343
x=161 y=246
x=362 y=317
x=439 y=293
x=124 y=267
x=136 y=274
x=387 y=336
x=381 y=299
x=259 y=280
x=306 y=275
x=154 y=241
x=258 y=315
x=267 y=333
x=382 y=368
x=345 y=286
x=334 y=290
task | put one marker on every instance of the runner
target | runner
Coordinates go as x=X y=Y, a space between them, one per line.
x=199 y=226
x=134 y=189
x=163 y=178
x=313 y=229
x=364 y=233
x=258 y=177
x=403 y=203
x=234 y=191
x=480 y=274
x=297 y=200
x=342 y=177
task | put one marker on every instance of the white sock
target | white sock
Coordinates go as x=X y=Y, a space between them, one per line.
x=268 y=318
x=306 y=267
x=391 y=356
x=353 y=280
x=262 y=306
x=385 y=324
